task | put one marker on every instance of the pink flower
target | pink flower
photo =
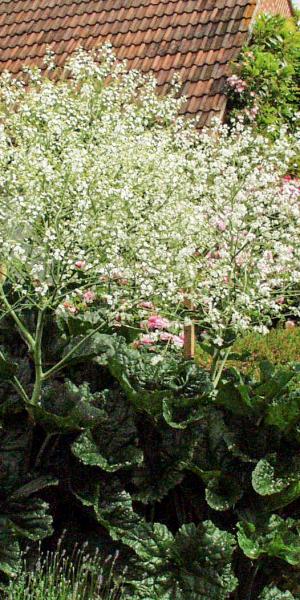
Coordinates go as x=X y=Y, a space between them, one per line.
x=290 y=324
x=280 y=300
x=70 y=307
x=89 y=296
x=80 y=264
x=268 y=255
x=118 y=321
x=146 y=305
x=241 y=87
x=226 y=279
x=232 y=80
x=165 y=336
x=254 y=110
x=239 y=260
x=178 y=340
x=221 y=225
x=156 y=322
x=145 y=340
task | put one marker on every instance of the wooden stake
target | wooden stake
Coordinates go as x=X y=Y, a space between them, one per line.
x=3 y=273
x=189 y=341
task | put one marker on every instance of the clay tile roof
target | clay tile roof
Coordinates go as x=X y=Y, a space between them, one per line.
x=193 y=38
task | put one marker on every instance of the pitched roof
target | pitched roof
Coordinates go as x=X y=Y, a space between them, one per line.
x=194 y=38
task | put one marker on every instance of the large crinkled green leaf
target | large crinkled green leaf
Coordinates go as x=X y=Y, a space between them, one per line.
x=66 y=407
x=22 y=516
x=277 y=479
x=113 y=444
x=83 y=322
x=167 y=453
x=223 y=492
x=111 y=504
x=274 y=380
x=33 y=486
x=99 y=345
x=13 y=448
x=93 y=454
x=284 y=410
x=149 y=380
x=195 y=564
x=179 y=411
x=234 y=393
x=272 y=476
x=243 y=396
x=9 y=550
x=273 y=593
x=276 y=537
x=28 y=518
x=203 y=556
x=139 y=377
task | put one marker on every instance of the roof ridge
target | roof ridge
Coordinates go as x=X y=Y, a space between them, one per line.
x=238 y=3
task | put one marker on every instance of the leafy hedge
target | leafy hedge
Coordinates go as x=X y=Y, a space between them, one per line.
x=279 y=346
x=198 y=488
x=265 y=84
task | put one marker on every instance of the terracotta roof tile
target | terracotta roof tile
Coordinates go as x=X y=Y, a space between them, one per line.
x=193 y=38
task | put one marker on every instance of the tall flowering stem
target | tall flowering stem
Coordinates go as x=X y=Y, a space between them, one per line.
x=107 y=197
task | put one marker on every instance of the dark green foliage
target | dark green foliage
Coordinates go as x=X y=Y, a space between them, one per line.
x=22 y=514
x=198 y=488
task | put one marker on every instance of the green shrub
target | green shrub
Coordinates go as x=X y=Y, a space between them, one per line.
x=279 y=346
x=266 y=88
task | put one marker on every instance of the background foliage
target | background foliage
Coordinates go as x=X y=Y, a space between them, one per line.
x=269 y=68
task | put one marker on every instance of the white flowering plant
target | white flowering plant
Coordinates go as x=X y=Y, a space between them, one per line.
x=108 y=199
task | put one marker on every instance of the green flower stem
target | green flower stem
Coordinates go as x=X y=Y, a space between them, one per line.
x=19 y=388
x=62 y=363
x=219 y=369
x=20 y=326
x=215 y=361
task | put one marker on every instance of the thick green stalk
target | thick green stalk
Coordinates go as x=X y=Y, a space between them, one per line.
x=37 y=357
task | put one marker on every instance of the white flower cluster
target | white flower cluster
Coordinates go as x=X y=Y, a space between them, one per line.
x=103 y=188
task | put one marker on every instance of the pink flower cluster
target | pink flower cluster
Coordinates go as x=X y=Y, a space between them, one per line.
x=252 y=113
x=237 y=84
x=156 y=324
x=293 y=184
x=177 y=340
x=80 y=265
x=89 y=297
x=151 y=340
x=70 y=308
